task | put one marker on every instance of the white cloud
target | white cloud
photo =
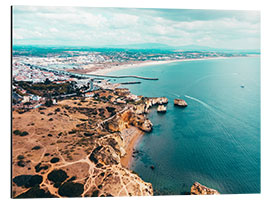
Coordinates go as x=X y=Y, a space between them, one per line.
x=17 y=36
x=125 y=26
x=53 y=29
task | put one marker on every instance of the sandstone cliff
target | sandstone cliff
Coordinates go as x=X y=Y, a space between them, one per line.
x=161 y=109
x=73 y=149
x=180 y=102
x=198 y=189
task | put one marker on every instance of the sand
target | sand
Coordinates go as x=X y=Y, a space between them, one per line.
x=134 y=135
x=108 y=69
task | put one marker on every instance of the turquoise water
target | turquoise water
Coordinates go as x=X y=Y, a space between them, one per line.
x=215 y=140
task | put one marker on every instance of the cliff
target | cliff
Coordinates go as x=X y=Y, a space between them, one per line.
x=198 y=189
x=180 y=102
x=73 y=149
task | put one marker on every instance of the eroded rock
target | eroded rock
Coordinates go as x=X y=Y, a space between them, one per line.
x=199 y=189
x=180 y=102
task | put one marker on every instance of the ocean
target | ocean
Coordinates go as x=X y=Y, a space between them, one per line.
x=215 y=140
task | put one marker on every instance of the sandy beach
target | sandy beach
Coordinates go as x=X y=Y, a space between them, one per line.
x=108 y=69
x=133 y=136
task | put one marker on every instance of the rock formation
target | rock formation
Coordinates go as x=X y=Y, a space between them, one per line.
x=78 y=153
x=180 y=102
x=198 y=189
x=161 y=109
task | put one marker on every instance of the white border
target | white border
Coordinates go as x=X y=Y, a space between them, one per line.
x=190 y=4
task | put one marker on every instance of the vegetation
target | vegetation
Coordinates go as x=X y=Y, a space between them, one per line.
x=40 y=167
x=70 y=189
x=54 y=160
x=36 y=147
x=35 y=192
x=57 y=176
x=48 y=103
x=95 y=193
x=48 y=88
x=17 y=132
x=20 y=157
x=27 y=180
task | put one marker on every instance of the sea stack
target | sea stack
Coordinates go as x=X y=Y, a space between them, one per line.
x=161 y=109
x=180 y=102
x=199 y=189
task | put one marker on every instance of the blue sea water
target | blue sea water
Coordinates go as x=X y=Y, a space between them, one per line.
x=215 y=140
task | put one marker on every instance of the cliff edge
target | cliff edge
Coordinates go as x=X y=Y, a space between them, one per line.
x=199 y=189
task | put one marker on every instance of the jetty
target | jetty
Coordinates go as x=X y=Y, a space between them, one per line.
x=86 y=75
x=130 y=83
x=120 y=76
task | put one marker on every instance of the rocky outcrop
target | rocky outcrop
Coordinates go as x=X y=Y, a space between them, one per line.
x=143 y=123
x=180 y=102
x=156 y=101
x=141 y=108
x=161 y=109
x=79 y=152
x=199 y=189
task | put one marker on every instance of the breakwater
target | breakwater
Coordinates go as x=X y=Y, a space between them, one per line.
x=120 y=76
x=215 y=140
x=88 y=74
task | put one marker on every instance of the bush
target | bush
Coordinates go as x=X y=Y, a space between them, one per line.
x=70 y=189
x=27 y=180
x=54 y=160
x=49 y=103
x=20 y=157
x=57 y=176
x=36 y=147
x=36 y=192
x=24 y=133
x=17 y=132
x=95 y=193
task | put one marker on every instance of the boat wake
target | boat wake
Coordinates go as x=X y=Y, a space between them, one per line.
x=177 y=95
x=201 y=102
x=224 y=128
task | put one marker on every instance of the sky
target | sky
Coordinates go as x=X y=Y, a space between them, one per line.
x=101 y=27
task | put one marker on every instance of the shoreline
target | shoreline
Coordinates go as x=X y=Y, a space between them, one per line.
x=107 y=70
x=126 y=160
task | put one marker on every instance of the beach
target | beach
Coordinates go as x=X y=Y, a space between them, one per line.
x=107 y=69
x=132 y=135
x=215 y=140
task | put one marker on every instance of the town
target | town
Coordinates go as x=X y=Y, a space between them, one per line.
x=43 y=78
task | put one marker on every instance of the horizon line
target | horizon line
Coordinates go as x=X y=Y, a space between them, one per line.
x=119 y=47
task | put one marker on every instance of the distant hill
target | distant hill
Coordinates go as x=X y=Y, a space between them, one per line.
x=206 y=48
x=181 y=48
x=142 y=46
x=146 y=46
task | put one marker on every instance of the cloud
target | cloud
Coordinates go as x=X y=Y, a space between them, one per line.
x=53 y=29
x=112 y=26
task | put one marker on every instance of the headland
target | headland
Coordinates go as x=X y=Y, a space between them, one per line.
x=80 y=146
